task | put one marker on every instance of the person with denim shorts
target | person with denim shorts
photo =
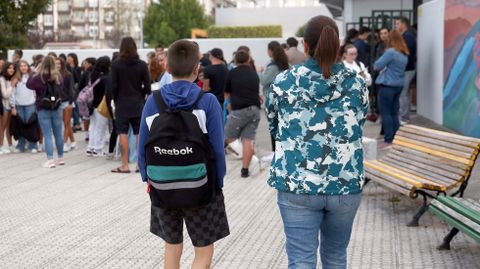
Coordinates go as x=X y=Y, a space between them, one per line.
x=242 y=122
x=316 y=113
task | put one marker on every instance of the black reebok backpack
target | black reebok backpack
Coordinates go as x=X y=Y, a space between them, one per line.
x=52 y=97
x=179 y=158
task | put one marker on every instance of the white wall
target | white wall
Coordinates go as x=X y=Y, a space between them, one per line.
x=291 y=18
x=354 y=9
x=430 y=60
x=258 y=48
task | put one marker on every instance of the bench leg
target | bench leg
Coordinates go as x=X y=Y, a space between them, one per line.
x=416 y=217
x=446 y=241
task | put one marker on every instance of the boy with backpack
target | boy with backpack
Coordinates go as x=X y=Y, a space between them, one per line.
x=182 y=158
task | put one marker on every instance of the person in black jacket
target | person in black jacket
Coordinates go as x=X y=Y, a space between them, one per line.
x=98 y=123
x=72 y=60
x=67 y=103
x=130 y=87
x=88 y=65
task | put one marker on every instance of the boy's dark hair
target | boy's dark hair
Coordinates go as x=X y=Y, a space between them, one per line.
x=241 y=57
x=364 y=30
x=63 y=56
x=292 y=42
x=159 y=46
x=19 y=52
x=182 y=58
x=91 y=60
x=284 y=45
x=404 y=20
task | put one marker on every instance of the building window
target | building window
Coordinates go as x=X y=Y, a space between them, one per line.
x=48 y=20
x=79 y=16
x=109 y=16
x=63 y=6
x=92 y=16
x=79 y=3
x=79 y=31
x=92 y=31
x=93 y=3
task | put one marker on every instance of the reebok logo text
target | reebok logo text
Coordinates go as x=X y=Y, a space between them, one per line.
x=173 y=151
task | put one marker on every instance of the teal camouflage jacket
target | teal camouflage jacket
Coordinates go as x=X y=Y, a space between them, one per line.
x=317 y=124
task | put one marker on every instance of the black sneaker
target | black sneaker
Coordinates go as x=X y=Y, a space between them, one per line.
x=245 y=172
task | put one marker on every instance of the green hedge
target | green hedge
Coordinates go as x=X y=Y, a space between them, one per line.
x=245 y=31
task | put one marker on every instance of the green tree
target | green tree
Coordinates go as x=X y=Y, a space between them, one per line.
x=170 y=20
x=15 y=18
x=300 y=32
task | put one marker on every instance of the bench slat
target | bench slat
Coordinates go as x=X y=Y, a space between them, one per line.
x=443 y=134
x=418 y=171
x=461 y=160
x=375 y=165
x=455 y=223
x=475 y=205
x=433 y=135
x=436 y=142
x=424 y=182
x=458 y=212
x=411 y=156
x=393 y=180
x=387 y=184
x=435 y=147
x=461 y=207
x=424 y=168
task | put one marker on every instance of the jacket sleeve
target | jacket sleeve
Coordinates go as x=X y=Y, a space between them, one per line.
x=216 y=136
x=114 y=75
x=271 y=105
x=268 y=76
x=383 y=61
x=69 y=85
x=146 y=82
x=148 y=110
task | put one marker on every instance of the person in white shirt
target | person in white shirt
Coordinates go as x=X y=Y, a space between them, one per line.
x=350 y=61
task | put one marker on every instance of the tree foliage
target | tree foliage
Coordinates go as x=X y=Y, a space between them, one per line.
x=15 y=17
x=169 y=20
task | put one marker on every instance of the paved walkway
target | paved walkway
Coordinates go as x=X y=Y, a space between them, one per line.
x=83 y=216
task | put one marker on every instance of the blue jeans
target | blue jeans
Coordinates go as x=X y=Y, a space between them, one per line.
x=308 y=218
x=24 y=113
x=51 y=122
x=388 y=102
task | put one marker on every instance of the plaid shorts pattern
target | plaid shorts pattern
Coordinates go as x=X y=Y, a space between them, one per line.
x=205 y=225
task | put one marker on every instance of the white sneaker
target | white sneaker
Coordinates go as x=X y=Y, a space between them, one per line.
x=98 y=154
x=40 y=148
x=16 y=150
x=73 y=145
x=49 y=164
x=66 y=148
x=60 y=162
x=34 y=151
x=12 y=148
x=6 y=150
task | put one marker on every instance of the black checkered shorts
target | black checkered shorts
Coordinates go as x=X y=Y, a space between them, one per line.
x=205 y=225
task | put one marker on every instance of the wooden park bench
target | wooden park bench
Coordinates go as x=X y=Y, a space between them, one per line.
x=461 y=213
x=425 y=162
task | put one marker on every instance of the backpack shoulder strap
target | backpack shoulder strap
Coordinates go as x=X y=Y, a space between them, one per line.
x=197 y=100
x=161 y=106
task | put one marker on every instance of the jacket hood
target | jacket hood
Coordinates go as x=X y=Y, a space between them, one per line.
x=180 y=94
x=309 y=78
x=131 y=60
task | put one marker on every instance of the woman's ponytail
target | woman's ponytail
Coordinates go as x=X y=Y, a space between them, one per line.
x=326 y=50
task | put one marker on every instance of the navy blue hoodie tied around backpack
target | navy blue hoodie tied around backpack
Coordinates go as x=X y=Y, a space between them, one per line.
x=181 y=95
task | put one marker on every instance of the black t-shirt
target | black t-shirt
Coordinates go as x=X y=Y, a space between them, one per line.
x=243 y=86
x=217 y=74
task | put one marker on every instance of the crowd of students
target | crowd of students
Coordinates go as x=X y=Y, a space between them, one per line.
x=316 y=103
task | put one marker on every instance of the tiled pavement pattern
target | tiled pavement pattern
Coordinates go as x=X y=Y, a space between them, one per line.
x=83 y=216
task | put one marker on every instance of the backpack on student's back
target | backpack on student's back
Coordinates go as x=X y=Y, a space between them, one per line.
x=180 y=160
x=85 y=98
x=52 y=97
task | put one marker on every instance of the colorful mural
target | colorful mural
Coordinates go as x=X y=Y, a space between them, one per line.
x=461 y=96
